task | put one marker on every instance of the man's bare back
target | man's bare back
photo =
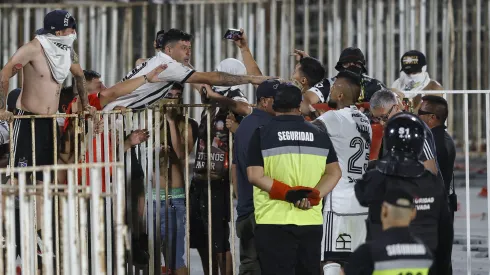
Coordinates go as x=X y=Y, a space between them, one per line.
x=40 y=92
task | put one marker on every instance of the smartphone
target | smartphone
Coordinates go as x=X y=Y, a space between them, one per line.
x=232 y=34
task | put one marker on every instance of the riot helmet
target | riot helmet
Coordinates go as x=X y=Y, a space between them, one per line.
x=404 y=136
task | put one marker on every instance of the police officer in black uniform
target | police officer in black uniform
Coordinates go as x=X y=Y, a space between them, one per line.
x=404 y=139
x=398 y=251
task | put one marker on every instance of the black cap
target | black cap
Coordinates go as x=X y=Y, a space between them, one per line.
x=412 y=62
x=57 y=20
x=267 y=88
x=351 y=54
x=399 y=197
x=288 y=96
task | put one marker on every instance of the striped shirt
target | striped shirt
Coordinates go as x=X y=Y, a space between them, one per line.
x=150 y=93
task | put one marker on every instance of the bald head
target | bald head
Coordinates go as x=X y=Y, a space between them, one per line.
x=344 y=92
x=394 y=216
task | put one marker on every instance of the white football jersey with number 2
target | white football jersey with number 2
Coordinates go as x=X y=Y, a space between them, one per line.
x=351 y=135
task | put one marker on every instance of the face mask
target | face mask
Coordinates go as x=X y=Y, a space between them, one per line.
x=353 y=69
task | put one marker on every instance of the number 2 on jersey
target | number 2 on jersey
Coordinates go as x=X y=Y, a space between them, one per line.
x=359 y=143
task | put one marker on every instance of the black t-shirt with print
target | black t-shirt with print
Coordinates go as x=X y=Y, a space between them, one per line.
x=219 y=140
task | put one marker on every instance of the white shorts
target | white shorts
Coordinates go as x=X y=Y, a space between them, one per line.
x=342 y=235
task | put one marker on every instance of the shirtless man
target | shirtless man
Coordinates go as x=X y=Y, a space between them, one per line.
x=46 y=62
x=415 y=78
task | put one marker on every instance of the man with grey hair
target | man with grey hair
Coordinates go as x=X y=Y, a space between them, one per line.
x=383 y=105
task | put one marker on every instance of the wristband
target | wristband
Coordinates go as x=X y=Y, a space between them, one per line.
x=146 y=78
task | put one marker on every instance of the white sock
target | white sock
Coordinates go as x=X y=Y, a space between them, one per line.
x=332 y=269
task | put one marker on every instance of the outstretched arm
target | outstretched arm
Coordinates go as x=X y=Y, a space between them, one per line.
x=225 y=79
x=23 y=56
x=123 y=88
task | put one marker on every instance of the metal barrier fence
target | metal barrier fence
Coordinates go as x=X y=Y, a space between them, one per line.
x=70 y=200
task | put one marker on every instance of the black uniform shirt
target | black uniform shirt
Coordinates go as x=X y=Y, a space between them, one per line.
x=397 y=252
x=433 y=223
x=446 y=154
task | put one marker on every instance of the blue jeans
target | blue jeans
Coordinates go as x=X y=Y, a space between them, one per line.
x=176 y=234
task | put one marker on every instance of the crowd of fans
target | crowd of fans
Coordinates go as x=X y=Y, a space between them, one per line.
x=304 y=162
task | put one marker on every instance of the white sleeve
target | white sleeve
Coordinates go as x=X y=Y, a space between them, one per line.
x=176 y=72
x=318 y=93
x=332 y=123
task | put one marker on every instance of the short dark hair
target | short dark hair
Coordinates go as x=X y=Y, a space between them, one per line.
x=66 y=96
x=173 y=35
x=438 y=105
x=90 y=75
x=312 y=69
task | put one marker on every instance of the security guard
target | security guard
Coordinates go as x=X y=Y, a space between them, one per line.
x=292 y=165
x=404 y=139
x=398 y=251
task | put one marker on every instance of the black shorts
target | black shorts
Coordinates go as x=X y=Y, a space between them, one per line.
x=289 y=249
x=220 y=210
x=22 y=142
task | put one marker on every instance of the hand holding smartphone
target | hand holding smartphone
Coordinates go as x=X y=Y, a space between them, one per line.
x=232 y=34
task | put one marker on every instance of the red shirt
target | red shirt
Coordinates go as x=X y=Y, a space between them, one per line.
x=93 y=100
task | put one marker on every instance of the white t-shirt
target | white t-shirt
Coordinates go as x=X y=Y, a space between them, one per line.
x=351 y=135
x=149 y=93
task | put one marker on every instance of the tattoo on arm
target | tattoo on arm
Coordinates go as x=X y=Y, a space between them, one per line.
x=226 y=79
x=4 y=84
x=74 y=57
x=81 y=89
x=2 y=101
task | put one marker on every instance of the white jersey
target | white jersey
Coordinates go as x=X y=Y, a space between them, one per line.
x=351 y=134
x=149 y=93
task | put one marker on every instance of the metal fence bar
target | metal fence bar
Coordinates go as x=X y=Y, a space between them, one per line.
x=108 y=189
x=129 y=124
x=467 y=179
x=157 y=149
x=13 y=38
x=208 y=174
x=10 y=236
x=422 y=30
x=487 y=135
x=119 y=226
x=306 y=23
x=48 y=224
x=272 y=39
x=187 y=188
